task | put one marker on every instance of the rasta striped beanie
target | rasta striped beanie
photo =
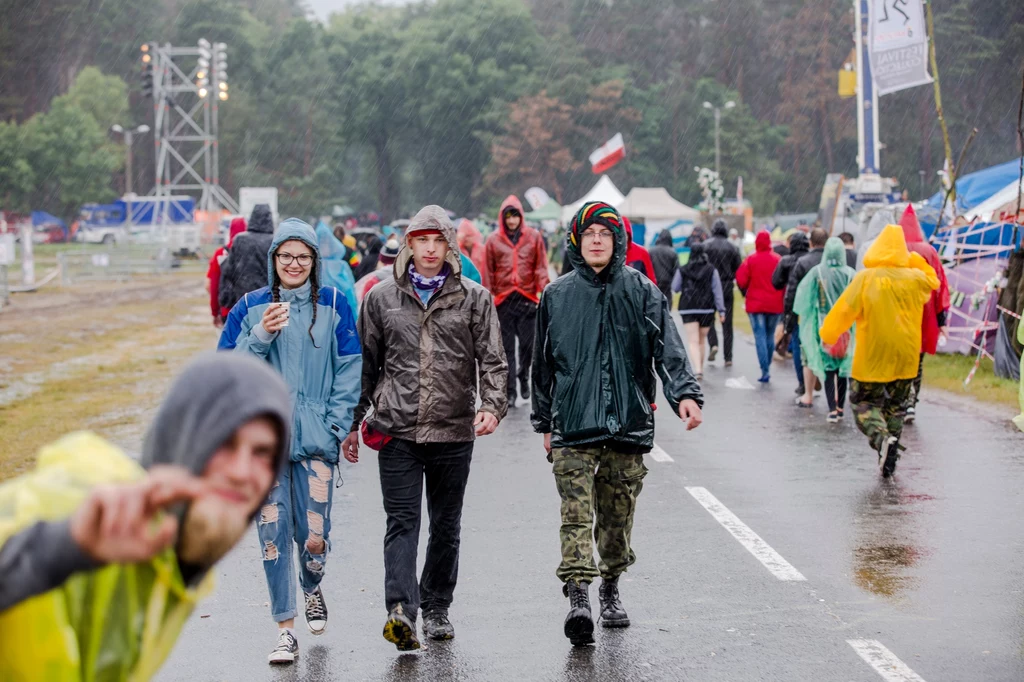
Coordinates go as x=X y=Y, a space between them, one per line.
x=590 y=213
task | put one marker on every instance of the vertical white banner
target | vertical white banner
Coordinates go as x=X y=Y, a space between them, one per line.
x=899 y=45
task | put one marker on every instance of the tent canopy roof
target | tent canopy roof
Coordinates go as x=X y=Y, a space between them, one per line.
x=974 y=188
x=549 y=211
x=655 y=203
x=605 y=190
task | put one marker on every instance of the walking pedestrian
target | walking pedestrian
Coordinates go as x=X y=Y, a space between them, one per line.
x=351 y=254
x=849 y=243
x=385 y=269
x=471 y=243
x=637 y=256
x=115 y=551
x=886 y=301
x=334 y=269
x=320 y=359
x=798 y=247
x=665 y=260
x=213 y=273
x=726 y=259
x=700 y=295
x=425 y=331
x=805 y=264
x=603 y=331
x=372 y=245
x=936 y=310
x=815 y=297
x=763 y=301
x=245 y=269
x=517 y=269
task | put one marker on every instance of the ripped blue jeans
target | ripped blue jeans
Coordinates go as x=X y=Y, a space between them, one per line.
x=297 y=510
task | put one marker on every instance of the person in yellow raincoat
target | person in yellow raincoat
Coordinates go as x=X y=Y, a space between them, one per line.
x=886 y=300
x=103 y=558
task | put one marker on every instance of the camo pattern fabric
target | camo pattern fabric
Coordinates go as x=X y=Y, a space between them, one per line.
x=879 y=408
x=596 y=481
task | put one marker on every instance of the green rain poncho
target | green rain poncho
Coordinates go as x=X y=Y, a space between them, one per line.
x=818 y=292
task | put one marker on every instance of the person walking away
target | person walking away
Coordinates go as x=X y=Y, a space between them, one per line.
x=604 y=335
x=103 y=557
x=851 y=248
x=936 y=310
x=517 y=269
x=424 y=332
x=371 y=253
x=803 y=265
x=246 y=268
x=637 y=256
x=471 y=243
x=335 y=270
x=306 y=331
x=763 y=301
x=665 y=260
x=726 y=259
x=385 y=269
x=815 y=297
x=213 y=273
x=886 y=301
x=700 y=295
x=798 y=247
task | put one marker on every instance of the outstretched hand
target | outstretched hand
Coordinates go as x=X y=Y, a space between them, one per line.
x=125 y=523
x=690 y=412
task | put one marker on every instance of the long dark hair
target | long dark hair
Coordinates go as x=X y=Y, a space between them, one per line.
x=314 y=290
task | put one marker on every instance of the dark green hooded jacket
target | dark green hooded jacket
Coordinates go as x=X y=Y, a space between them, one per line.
x=600 y=339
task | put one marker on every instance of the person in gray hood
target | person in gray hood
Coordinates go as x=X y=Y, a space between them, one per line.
x=91 y=531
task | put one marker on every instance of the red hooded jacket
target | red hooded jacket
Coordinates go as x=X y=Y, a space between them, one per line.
x=509 y=267
x=472 y=244
x=637 y=256
x=939 y=301
x=213 y=272
x=754 y=278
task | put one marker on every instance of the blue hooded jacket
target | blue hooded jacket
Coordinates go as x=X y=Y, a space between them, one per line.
x=323 y=378
x=334 y=270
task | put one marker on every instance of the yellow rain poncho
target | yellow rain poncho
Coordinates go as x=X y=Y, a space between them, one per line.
x=117 y=623
x=886 y=300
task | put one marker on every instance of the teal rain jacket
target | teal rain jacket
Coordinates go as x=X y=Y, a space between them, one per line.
x=819 y=290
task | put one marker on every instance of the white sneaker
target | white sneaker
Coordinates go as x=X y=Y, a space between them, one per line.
x=286 y=651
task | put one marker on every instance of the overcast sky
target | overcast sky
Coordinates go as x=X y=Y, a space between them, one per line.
x=324 y=7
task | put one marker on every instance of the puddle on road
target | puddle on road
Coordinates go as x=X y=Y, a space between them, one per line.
x=887 y=550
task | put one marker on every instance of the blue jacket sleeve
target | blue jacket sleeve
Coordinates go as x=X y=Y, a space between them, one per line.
x=347 y=362
x=240 y=335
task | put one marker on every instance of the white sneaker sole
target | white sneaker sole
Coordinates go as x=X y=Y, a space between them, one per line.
x=317 y=627
x=280 y=657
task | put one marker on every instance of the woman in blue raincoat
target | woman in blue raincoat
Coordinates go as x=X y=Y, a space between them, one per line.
x=306 y=330
x=336 y=271
x=818 y=292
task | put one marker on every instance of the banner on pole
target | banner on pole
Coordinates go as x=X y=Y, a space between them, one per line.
x=899 y=45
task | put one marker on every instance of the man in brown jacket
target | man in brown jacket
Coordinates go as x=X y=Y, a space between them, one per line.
x=423 y=333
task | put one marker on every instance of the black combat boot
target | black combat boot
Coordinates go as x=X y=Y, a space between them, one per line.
x=579 y=624
x=612 y=613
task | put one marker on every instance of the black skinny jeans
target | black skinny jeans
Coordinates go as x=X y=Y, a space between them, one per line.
x=727 y=294
x=835 y=390
x=404 y=466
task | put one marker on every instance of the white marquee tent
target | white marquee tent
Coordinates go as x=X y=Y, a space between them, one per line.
x=646 y=204
x=605 y=190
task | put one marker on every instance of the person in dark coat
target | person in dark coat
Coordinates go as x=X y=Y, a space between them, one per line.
x=245 y=268
x=798 y=247
x=851 y=249
x=726 y=258
x=666 y=262
x=804 y=265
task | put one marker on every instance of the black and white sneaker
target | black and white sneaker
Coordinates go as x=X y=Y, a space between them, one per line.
x=316 y=612
x=892 y=456
x=286 y=651
x=883 y=451
x=910 y=416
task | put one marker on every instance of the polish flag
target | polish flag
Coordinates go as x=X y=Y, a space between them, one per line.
x=608 y=154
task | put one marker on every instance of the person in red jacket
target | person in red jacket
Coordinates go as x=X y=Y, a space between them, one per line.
x=933 y=322
x=471 y=242
x=213 y=273
x=516 y=270
x=764 y=303
x=637 y=257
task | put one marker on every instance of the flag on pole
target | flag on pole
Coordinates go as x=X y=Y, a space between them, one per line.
x=608 y=154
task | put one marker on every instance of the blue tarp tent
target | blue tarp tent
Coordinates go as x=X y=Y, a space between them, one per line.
x=44 y=218
x=971 y=190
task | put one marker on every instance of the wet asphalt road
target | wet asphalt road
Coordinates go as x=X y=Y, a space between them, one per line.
x=927 y=565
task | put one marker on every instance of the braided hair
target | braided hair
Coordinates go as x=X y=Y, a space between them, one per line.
x=314 y=293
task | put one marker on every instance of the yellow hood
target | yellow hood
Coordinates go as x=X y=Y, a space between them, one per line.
x=889 y=250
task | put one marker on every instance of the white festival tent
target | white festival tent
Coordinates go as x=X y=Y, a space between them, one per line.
x=655 y=204
x=605 y=190
x=1003 y=201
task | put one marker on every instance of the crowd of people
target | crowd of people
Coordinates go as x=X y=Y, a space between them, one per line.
x=415 y=346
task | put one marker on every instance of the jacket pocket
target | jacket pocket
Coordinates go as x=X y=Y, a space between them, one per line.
x=315 y=437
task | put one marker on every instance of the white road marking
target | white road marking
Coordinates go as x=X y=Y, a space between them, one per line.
x=742 y=383
x=771 y=559
x=885 y=662
x=659 y=455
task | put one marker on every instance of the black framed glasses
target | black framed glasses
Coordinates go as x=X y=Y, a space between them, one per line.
x=287 y=258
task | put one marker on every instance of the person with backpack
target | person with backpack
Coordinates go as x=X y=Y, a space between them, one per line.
x=700 y=296
x=245 y=268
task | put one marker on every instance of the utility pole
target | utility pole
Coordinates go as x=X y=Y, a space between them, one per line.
x=129 y=138
x=718 y=126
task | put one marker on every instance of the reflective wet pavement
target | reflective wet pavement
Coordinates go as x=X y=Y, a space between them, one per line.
x=927 y=565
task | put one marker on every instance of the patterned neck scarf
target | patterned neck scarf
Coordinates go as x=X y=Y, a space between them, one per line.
x=431 y=284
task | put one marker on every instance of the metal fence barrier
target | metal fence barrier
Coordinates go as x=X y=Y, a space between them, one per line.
x=124 y=262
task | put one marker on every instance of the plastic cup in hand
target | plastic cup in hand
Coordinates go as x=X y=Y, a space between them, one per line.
x=285 y=305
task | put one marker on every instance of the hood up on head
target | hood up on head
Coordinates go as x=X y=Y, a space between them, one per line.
x=889 y=250
x=912 y=231
x=834 y=255
x=511 y=201
x=720 y=229
x=215 y=395
x=262 y=219
x=664 y=238
x=626 y=223
x=763 y=241
x=431 y=217
x=798 y=243
x=237 y=227
x=290 y=229
x=602 y=214
x=468 y=235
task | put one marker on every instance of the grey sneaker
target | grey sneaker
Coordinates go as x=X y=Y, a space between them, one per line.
x=286 y=651
x=436 y=625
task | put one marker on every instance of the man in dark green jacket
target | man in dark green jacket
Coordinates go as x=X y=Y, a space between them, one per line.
x=602 y=331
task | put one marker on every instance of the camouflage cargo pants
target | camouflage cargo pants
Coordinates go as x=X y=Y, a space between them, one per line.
x=880 y=408
x=596 y=481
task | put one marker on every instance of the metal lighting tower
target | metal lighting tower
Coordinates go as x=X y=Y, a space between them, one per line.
x=185 y=120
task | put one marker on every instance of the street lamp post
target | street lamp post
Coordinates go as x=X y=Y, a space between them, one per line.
x=129 y=136
x=718 y=121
